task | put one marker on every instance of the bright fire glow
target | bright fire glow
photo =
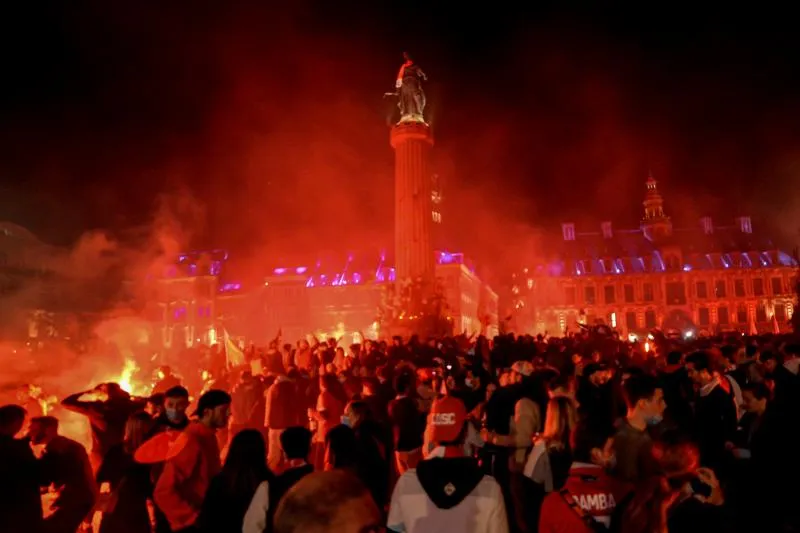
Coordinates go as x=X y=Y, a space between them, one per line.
x=126 y=378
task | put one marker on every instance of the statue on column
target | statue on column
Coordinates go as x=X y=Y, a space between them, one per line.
x=409 y=93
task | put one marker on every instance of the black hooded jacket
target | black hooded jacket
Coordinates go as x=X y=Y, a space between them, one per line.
x=447 y=481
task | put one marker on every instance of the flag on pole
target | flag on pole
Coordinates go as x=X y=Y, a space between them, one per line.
x=233 y=354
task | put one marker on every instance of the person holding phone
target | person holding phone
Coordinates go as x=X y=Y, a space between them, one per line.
x=683 y=497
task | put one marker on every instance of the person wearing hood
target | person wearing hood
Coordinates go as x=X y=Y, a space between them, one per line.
x=447 y=491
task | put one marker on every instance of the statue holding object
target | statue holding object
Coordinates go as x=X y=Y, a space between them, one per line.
x=409 y=93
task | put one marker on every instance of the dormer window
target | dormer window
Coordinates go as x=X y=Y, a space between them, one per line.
x=568 y=230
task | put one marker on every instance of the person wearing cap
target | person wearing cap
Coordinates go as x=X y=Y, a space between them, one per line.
x=191 y=462
x=447 y=491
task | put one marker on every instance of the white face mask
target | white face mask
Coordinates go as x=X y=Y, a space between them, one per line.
x=468 y=382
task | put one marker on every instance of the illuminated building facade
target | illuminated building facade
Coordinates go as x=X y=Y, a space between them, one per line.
x=696 y=280
x=472 y=304
x=182 y=302
x=344 y=300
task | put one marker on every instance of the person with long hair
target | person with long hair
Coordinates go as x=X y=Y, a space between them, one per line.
x=129 y=482
x=548 y=464
x=682 y=497
x=549 y=461
x=238 y=497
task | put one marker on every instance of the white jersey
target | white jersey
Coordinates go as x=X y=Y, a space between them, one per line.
x=412 y=511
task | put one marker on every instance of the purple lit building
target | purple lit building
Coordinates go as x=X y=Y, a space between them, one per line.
x=693 y=280
x=182 y=303
x=343 y=299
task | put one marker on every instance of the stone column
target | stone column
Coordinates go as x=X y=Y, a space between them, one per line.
x=412 y=142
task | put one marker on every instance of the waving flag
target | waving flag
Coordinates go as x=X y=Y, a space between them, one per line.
x=233 y=354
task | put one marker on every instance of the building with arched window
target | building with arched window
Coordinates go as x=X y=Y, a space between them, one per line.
x=704 y=277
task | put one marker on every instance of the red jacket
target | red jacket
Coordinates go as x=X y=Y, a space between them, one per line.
x=594 y=491
x=191 y=463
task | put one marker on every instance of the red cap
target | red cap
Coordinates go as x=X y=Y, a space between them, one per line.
x=446 y=419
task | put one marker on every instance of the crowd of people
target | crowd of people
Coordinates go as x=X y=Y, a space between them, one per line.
x=573 y=434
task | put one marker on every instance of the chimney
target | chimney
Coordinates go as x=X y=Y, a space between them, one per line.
x=568 y=229
x=745 y=224
x=607 y=232
x=708 y=226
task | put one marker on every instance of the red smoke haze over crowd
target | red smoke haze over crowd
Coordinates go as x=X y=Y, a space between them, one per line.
x=265 y=126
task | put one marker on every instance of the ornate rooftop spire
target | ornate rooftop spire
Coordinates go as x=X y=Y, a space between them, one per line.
x=655 y=223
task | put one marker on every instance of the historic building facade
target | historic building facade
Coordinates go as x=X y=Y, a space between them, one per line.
x=181 y=300
x=694 y=280
x=346 y=299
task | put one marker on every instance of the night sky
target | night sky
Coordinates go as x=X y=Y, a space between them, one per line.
x=262 y=129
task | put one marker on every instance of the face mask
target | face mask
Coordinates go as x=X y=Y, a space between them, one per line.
x=468 y=382
x=172 y=415
x=346 y=421
x=654 y=420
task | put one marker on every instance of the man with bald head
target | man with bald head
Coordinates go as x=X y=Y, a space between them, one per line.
x=329 y=502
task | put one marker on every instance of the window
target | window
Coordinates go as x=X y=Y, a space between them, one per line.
x=569 y=295
x=608 y=294
x=780 y=312
x=703 y=316
x=647 y=292
x=630 y=320
x=741 y=314
x=628 y=290
x=722 y=315
x=719 y=289
x=777 y=286
x=761 y=313
x=569 y=231
x=650 y=319
x=758 y=287
x=676 y=293
x=702 y=289
x=588 y=295
x=738 y=288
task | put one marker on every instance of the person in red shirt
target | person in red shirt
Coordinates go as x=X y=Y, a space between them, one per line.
x=191 y=463
x=328 y=414
x=284 y=409
x=590 y=495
